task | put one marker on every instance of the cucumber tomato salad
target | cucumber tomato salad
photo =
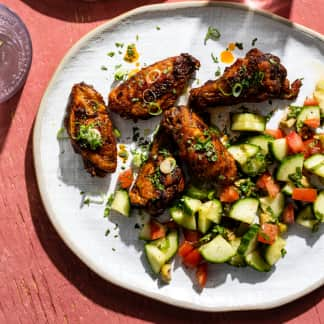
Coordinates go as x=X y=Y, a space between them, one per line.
x=244 y=224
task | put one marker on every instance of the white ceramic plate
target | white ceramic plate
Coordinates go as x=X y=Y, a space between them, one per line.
x=118 y=257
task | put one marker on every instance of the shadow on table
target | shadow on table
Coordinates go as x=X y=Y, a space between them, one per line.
x=83 y=11
x=7 y=112
x=122 y=301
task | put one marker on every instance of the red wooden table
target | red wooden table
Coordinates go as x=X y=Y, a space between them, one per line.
x=41 y=280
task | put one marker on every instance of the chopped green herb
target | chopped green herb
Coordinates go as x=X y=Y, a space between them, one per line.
x=239 y=45
x=121 y=45
x=157 y=27
x=61 y=134
x=89 y=136
x=254 y=41
x=104 y=68
x=120 y=74
x=294 y=111
x=214 y=58
x=156 y=180
x=283 y=252
x=137 y=37
x=218 y=72
x=113 y=249
x=111 y=54
x=117 y=132
x=87 y=200
x=107 y=232
x=296 y=178
x=108 y=205
x=212 y=33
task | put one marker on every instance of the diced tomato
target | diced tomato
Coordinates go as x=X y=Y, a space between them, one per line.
x=191 y=236
x=276 y=133
x=229 y=194
x=266 y=182
x=288 y=216
x=268 y=233
x=192 y=259
x=312 y=146
x=304 y=194
x=295 y=142
x=312 y=122
x=158 y=230
x=126 y=179
x=311 y=101
x=201 y=275
x=185 y=248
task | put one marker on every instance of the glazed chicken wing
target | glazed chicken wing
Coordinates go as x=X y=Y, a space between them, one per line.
x=199 y=146
x=153 y=89
x=91 y=131
x=160 y=179
x=254 y=78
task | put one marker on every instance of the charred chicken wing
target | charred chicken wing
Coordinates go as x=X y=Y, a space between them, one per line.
x=91 y=131
x=254 y=78
x=199 y=146
x=160 y=180
x=153 y=89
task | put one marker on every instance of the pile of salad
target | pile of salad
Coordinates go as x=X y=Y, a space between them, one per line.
x=281 y=182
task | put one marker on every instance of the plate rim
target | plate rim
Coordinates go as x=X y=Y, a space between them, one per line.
x=41 y=182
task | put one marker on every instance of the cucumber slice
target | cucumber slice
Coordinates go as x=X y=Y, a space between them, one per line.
x=318 y=206
x=262 y=141
x=249 y=241
x=308 y=112
x=237 y=260
x=248 y=122
x=319 y=170
x=183 y=219
x=218 y=250
x=191 y=205
x=168 y=245
x=279 y=148
x=289 y=165
x=212 y=210
x=288 y=189
x=204 y=223
x=273 y=206
x=244 y=210
x=160 y=251
x=306 y=218
x=155 y=257
x=121 y=202
x=255 y=165
x=255 y=260
x=243 y=152
x=145 y=232
x=273 y=252
x=314 y=161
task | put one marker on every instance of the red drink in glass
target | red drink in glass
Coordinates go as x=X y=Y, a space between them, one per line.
x=15 y=53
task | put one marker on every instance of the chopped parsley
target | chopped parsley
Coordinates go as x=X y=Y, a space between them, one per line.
x=218 y=72
x=294 y=111
x=111 y=54
x=212 y=33
x=214 y=58
x=156 y=180
x=296 y=178
x=120 y=45
x=239 y=45
x=204 y=146
x=158 y=28
x=108 y=205
x=89 y=136
x=137 y=37
x=283 y=252
x=254 y=41
x=104 y=68
x=107 y=232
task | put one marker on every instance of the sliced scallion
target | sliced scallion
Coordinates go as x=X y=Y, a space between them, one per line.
x=154 y=109
x=237 y=89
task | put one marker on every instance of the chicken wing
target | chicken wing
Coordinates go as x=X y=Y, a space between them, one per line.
x=160 y=179
x=199 y=146
x=254 y=78
x=91 y=131
x=153 y=89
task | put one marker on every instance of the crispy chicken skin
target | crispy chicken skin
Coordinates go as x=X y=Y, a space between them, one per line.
x=154 y=88
x=154 y=190
x=87 y=108
x=199 y=146
x=254 y=78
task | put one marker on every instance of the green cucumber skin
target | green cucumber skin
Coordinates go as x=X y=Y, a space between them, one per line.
x=249 y=240
x=263 y=141
x=282 y=173
x=181 y=218
x=273 y=253
x=256 y=261
x=318 y=206
x=235 y=214
x=121 y=202
x=279 y=149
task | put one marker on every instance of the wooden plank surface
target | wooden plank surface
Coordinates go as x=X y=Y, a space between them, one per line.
x=41 y=281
